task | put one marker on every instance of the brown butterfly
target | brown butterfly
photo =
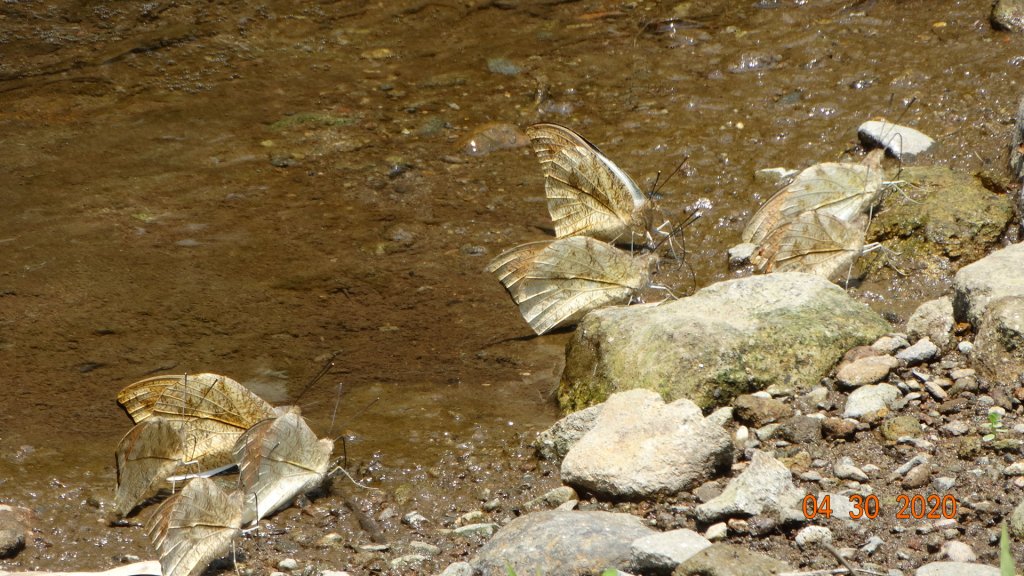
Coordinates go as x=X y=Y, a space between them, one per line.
x=588 y=195
x=194 y=527
x=278 y=459
x=557 y=283
x=213 y=411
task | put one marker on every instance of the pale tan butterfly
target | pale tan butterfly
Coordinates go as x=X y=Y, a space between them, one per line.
x=814 y=243
x=840 y=190
x=195 y=527
x=588 y=195
x=279 y=459
x=556 y=283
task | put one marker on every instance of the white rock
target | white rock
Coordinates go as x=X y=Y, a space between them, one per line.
x=813 y=535
x=717 y=532
x=958 y=552
x=901 y=141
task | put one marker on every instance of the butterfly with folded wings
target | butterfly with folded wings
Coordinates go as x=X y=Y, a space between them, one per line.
x=817 y=223
x=593 y=204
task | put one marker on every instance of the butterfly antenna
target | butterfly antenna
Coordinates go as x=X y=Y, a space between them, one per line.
x=658 y=185
x=337 y=403
x=324 y=369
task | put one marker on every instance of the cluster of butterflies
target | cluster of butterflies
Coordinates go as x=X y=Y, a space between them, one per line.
x=816 y=224
x=210 y=423
x=594 y=206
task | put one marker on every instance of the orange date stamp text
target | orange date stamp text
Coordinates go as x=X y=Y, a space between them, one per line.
x=867 y=506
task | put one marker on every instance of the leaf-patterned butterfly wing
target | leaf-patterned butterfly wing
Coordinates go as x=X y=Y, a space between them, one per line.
x=194 y=527
x=512 y=265
x=841 y=190
x=209 y=396
x=278 y=459
x=587 y=193
x=146 y=456
x=573 y=276
x=814 y=243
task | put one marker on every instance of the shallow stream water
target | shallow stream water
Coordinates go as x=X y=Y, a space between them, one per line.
x=247 y=188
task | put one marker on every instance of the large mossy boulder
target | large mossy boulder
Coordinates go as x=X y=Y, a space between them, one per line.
x=938 y=221
x=781 y=332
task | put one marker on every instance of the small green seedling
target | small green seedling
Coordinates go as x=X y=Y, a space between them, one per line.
x=995 y=426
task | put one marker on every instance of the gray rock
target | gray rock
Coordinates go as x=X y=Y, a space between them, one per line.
x=781 y=332
x=552 y=498
x=482 y=529
x=288 y=564
x=863 y=371
x=458 y=569
x=723 y=416
x=766 y=485
x=554 y=443
x=977 y=285
x=424 y=548
x=800 y=430
x=920 y=352
x=13 y=529
x=956 y=569
x=414 y=519
x=890 y=343
x=640 y=446
x=901 y=141
x=407 y=562
x=845 y=469
x=1008 y=15
x=1016 y=523
x=872 y=545
x=343 y=573
x=934 y=320
x=999 y=347
x=728 y=560
x=870 y=402
x=661 y=553
x=557 y=542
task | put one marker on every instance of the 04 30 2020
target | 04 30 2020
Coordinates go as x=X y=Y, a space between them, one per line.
x=867 y=506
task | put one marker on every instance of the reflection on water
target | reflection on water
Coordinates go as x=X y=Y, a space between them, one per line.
x=244 y=189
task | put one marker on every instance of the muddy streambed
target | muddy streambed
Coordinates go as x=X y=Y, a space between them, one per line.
x=247 y=188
